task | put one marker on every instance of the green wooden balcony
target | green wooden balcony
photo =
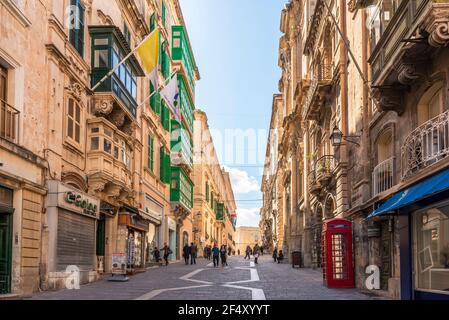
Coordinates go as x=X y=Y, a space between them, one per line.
x=182 y=51
x=220 y=211
x=181 y=191
x=181 y=145
x=186 y=102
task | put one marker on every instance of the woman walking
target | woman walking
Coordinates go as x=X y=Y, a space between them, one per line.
x=216 y=255
x=167 y=252
x=275 y=255
x=223 y=257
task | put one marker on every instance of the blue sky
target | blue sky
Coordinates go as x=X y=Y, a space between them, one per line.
x=235 y=43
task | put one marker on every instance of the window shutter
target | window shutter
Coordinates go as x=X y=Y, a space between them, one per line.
x=152 y=22
x=167 y=171
x=207 y=192
x=150 y=153
x=155 y=103
x=165 y=116
x=161 y=164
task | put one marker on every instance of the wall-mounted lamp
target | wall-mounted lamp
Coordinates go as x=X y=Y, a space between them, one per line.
x=337 y=138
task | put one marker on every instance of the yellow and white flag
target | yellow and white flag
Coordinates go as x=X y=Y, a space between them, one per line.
x=148 y=52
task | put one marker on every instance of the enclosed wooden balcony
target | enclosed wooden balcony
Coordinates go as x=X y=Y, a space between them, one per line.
x=426 y=146
x=109 y=160
x=181 y=147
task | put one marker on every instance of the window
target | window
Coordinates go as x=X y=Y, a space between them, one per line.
x=165 y=166
x=101 y=59
x=165 y=116
x=152 y=22
x=127 y=33
x=165 y=60
x=74 y=121
x=207 y=191
x=380 y=17
x=151 y=153
x=431 y=256
x=76 y=28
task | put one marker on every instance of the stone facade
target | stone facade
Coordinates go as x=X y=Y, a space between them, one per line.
x=247 y=236
x=90 y=166
x=214 y=203
x=385 y=96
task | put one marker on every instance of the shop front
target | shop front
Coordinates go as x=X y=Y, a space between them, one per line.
x=135 y=228
x=154 y=212
x=104 y=234
x=172 y=236
x=6 y=215
x=72 y=224
x=423 y=226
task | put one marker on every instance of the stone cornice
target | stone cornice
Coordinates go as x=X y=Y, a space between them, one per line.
x=16 y=12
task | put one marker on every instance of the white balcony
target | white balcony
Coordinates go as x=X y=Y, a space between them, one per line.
x=383 y=176
x=426 y=145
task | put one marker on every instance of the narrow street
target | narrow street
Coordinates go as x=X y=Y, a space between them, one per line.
x=241 y=280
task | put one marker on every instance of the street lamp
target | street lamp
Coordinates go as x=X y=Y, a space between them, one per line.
x=337 y=138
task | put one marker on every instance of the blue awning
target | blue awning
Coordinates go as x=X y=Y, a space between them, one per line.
x=423 y=189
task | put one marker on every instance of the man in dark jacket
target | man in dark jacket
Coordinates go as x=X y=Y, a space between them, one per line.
x=193 y=253
x=186 y=253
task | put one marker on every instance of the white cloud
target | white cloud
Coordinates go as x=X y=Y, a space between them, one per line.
x=242 y=182
x=248 y=217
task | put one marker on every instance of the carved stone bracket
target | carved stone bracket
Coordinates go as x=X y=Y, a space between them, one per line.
x=103 y=107
x=75 y=89
x=437 y=25
x=407 y=73
x=96 y=185
x=118 y=117
x=390 y=98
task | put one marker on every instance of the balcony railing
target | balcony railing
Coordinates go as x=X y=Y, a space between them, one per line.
x=426 y=145
x=9 y=122
x=324 y=167
x=318 y=87
x=383 y=176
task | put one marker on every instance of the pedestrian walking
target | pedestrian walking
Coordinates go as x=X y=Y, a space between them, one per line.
x=238 y=252
x=216 y=255
x=256 y=252
x=156 y=255
x=275 y=254
x=167 y=252
x=261 y=250
x=223 y=257
x=193 y=253
x=280 y=256
x=248 y=252
x=186 y=253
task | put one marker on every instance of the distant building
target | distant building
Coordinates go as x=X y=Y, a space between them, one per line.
x=247 y=236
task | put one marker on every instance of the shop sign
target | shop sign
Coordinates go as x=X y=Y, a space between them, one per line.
x=63 y=196
x=119 y=263
x=82 y=203
x=374 y=231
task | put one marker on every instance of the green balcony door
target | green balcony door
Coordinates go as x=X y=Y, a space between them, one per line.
x=5 y=251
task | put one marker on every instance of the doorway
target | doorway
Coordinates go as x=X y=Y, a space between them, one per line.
x=385 y=254
x=5 y=251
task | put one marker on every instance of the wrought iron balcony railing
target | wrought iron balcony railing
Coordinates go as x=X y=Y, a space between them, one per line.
x=426 y=145
x=383 y=176
x=324 y=167
x=9 y=122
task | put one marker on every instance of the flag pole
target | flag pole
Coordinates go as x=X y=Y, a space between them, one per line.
x=158 y=89
x=110 y=73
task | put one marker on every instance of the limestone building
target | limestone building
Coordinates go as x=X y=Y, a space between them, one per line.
x=85 y=174
x=214 y=203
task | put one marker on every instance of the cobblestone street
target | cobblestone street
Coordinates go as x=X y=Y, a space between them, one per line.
x=241 y=280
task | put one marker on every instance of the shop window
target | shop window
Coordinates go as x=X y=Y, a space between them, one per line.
x=432 y=248
x=74 y=121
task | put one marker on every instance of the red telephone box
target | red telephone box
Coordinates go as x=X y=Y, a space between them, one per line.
x=338 y=271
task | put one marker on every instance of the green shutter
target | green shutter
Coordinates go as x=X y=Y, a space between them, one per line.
x=151 y=153
x=207 y=192
x=161 y=164
x=152 y=22
x=165 y=116
x=167 y=171
x=155 y=101
x=163 y=12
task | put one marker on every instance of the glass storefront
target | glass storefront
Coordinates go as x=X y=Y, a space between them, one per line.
x=431 y=248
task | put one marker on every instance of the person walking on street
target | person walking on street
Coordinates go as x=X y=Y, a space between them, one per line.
x=256 y=254
x=280 y=257
x=223 y=256
x=186 y=253
x=275 y=254
x=216 y=255
x=157 y=254
x=193 y=253
x=248 y=252
x=167 y=252
x=238 y=252
x=261 y=250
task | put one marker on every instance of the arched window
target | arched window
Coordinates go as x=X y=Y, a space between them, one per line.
x=383 y=173
x=431 y=104
x=385 y=146
x=185 y=239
